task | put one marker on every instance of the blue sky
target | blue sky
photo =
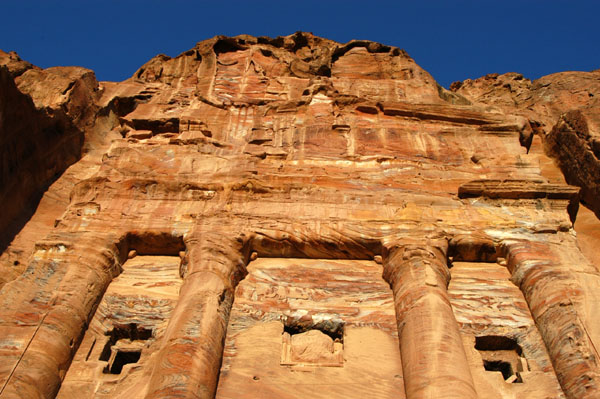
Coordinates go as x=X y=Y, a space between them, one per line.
x=453 y=40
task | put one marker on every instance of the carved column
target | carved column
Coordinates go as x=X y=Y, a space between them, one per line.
x=189 y=362
x=434 y=362
x=561 y=311
x=43 y=312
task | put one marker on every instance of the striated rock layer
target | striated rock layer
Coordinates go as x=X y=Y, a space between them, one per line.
x=563 y=108
x=286 y=217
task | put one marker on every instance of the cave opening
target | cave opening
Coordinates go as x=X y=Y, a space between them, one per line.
x=122 y=357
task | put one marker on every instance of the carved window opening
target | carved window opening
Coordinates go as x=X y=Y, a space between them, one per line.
x=504 y=355
x=504 y=367
x=124 y=346
x=121 y=358
x=309 y=343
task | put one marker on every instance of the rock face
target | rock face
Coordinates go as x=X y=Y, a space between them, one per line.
x=44 y=117
x=288 y=217
x=563 y=108
x=43 y=114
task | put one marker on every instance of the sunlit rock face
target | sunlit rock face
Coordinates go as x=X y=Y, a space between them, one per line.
x=563 y=108
x=293 y=217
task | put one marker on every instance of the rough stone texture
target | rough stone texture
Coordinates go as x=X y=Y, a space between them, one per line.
x=43 y=114
x=16 y=66
x=564 y=108
x=287 y=217
x=44 y=117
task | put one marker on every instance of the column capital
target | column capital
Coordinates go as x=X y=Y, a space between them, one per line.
x=404 y=253
x=223 y=252
x=436 y=246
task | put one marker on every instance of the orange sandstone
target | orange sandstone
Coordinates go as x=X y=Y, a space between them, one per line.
x=286 y=217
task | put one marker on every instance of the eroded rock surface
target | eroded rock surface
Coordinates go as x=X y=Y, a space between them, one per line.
x=43 y=115
x=49 y=122
x=564 y=108
x=286 y=217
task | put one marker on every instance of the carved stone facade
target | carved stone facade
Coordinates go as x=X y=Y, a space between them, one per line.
x=293 y=217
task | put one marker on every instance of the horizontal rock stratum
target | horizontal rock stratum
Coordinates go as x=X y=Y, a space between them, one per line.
x=295 y=217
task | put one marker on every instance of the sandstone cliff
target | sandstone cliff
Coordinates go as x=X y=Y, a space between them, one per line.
x=43 y=115
x=563 y=108
x=284 y=217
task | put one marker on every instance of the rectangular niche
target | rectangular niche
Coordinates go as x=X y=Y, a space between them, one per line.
x=125 y=330
x=316 y=344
